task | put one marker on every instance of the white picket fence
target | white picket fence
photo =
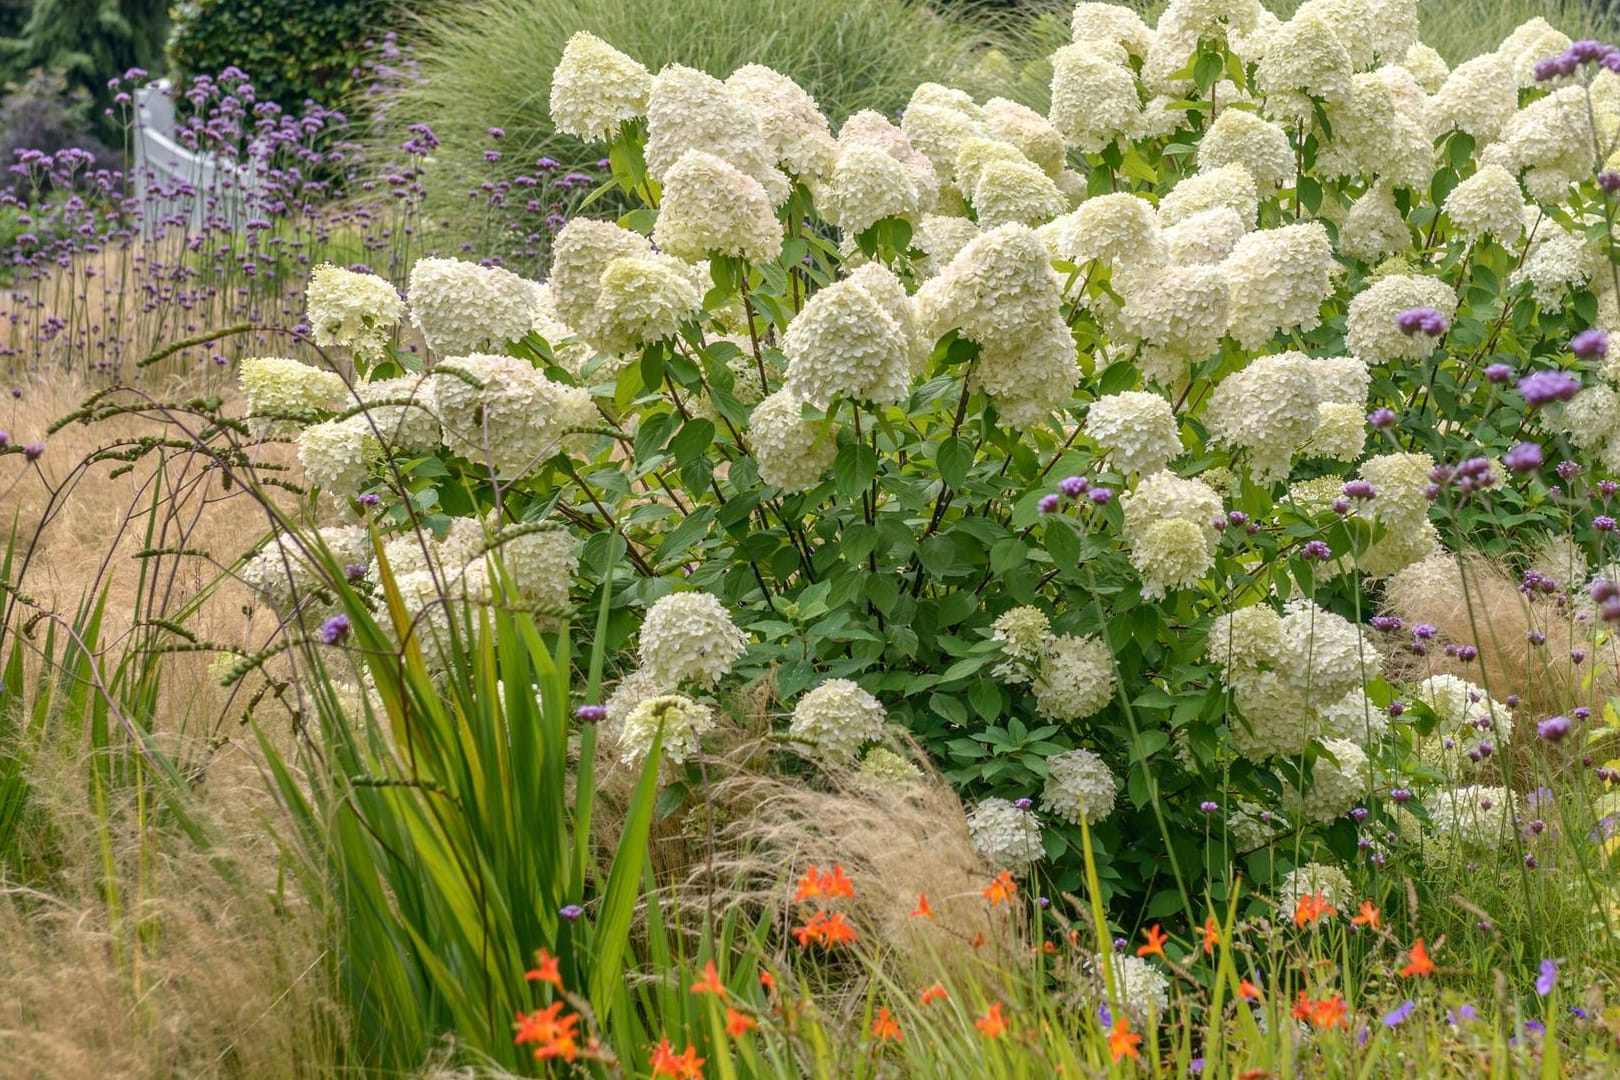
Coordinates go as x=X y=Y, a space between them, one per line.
x=165 y=166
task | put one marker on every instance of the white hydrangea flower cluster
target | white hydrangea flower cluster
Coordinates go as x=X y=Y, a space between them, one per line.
x=1371 y=330
x=1475 y=816
x=837 y=718
x=595 y=88
x=1033 y=134
x=1117 y=229
x=1251 y=827
x=1078 y=784
x=683 y=721
x=541 y=564
x=689 y=637
x=1179 y=313
x=1402 y=508
x=635 y=688
x=1205 y=238
x=1337 y=783
x=1094 y=98
x=1468 y=718
x=791 y=452
x=1240 y=137
x=1356 y=718
x=1002 y=292
x=1076 y=678
x=1488 y=203
x=1136 y=428
x=877 y=174
x=1010 y=191
x=352 y=310
x=1024 y=634
x=337 y=455
x=1007 y=837
x=1374 y=136
x=1592 y=418
x=1374 y=226
x=281 y=577
x=1479 y=97
x=461 y=308
x=940 y=238
x=515 y=419
x=1114 y=23
x=399 y=412
x=691 y=111
x=1278 y=279
x=1315 y=879
x=1268 y=410
x=1170 y=531
x=277 y=389
x=790 y=121
x=882 y=767
x=1559 y=262
x=938 y=120
x=1548 y=143
x=1140 y=988
x=610 y=286
x=1287 y=673
x=1230 y=185
x=856 y=338
x=710 y=206
x=1342 y=383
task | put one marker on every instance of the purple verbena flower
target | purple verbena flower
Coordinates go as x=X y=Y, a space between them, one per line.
x=1525 y=457
x=571 y=912
x=1074 y=486
x=1590 y=344
x=1498 y=373
x=1400 y=1014
x=334 y=630
x=1316 y=551
x=1548 y=977
x=1381 y=419
x=1553 y=729
x=1546 y=387
x=1048 y=504
x=590 y=714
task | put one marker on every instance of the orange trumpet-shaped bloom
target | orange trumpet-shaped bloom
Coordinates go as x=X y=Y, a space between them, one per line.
x=1420 y=963
x=1122 y=1041
x=710 y=982
x=1311 y=907
x=684 y=1066
x=885 y=1028
x=739 y=1024
x=1001 y=890
x=825 y=930
x=923 y=910
x=1326 y=1013
x=768 y=981
x=1156 y=938
x=1248 y=991
x=932 y=994
x=835 y=885
x=992 y=1025
x=1212 y=935
x=1369 y=917
x=809 y=885
x=545 y=970
x=555 y=1035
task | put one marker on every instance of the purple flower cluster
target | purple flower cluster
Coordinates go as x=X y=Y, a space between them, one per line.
x=1545 y=387
x=1424 y=320
x=1470 y=476
x=1571 y=59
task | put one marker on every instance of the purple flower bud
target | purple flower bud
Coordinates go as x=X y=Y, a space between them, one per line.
x=5 y=440
x=496 y=133
x=1431 y=491
x=1530 y=861
x=1387 y=622
x=1577 y=656
x=591 y=714
x=1553 y=729
x=1395 y=708
x=1604 y=589
x=1359 y=813
x=571 y=912
x=1074 y=486
x=370 y=498
x=1603 y=523
x=1535 y=637
x=1590 y=344
x=1609 y=181
x=1209 y=807
x=1498 y=373
x=1607 y=488
x=1340 y=506
x=1119 y=944
x=334 y=630
x=1048 y=504
x=1546 y=69
x=1253 y=528
x=1511 y=701
x=1024 y=804
x=1400 y=795
x=1100 y=496
x=355 y=571
x=32 y=451
x=1043 y=901
x=1538 y=826
x=1525 y=457
x=1238 y=517
x=1426 y=631
x=1359 y=489
x=1381 y=419
x=1546 y=387
x=1422 y=319
x=1568 y=469
x=1316 y=551
x=1219 y=524
x=1580 y=712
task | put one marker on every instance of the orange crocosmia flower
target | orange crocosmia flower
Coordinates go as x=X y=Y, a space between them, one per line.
x=1155 y=942
x=1311 y=907
x=934 y=993
x=1420 y=962
x=683 y=1066
x=1212 y=935
x=923 y=910
x=710 y=982
x=1122 y=1041
x=545 y=970
x=1369 y=916
x=978 y=940
x=834 y=884
x=992 y=1025
x=1323 y=1014
x=739 y=1023
x=825 y=930
x=885 y=1028
x=809 y=885
x=557 y=1036
x=1001 y=890
x=1248 y=991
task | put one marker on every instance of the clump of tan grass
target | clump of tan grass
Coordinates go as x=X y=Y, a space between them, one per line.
x=1475 y=600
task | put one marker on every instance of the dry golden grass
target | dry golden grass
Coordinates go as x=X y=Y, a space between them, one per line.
x=130 y=955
